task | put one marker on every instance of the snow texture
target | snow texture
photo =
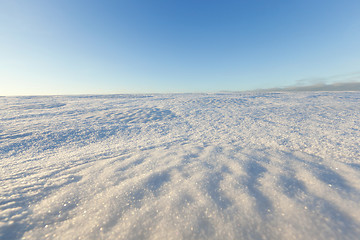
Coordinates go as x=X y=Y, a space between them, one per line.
x=181 y=166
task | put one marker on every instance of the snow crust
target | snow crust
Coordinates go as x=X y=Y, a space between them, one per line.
x=181 y=166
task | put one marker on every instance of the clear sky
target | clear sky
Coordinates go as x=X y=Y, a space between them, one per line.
x=133 y=46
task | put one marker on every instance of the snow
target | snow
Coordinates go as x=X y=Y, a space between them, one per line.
x=181 y=166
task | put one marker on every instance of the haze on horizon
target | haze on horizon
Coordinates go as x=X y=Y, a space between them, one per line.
x=91 y=47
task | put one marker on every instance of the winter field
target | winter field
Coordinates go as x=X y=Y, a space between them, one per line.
x=181 y=166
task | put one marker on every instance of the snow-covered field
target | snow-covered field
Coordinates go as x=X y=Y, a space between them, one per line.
x=181 y=166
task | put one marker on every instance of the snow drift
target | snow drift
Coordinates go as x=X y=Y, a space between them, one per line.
x=181 y=166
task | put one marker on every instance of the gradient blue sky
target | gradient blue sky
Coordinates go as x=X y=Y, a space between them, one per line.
x=133 y=46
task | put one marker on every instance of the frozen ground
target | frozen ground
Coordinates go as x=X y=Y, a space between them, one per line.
x=181 y=166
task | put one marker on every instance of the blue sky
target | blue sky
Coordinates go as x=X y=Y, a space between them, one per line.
x=133 y=46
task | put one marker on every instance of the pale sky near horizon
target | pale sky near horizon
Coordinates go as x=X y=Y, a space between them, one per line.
x=139 y=46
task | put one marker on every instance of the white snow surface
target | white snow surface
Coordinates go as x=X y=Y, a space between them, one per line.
x=181 y=166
